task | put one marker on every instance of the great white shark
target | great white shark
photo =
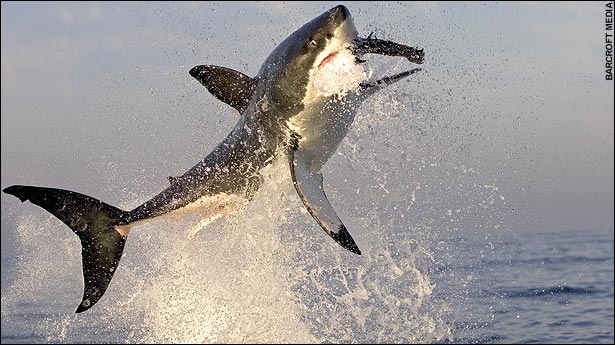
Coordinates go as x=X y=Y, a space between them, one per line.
x=283 y=112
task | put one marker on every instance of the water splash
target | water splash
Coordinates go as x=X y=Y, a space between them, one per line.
x=267 y=275
x=340 y=74
x=270 y=274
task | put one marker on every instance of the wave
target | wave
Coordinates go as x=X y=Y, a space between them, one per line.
x=557 y=260
x=546 y=291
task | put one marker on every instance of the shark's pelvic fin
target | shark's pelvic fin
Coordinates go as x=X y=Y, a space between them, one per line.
x=231 y=87
x=93 y=221
x=309 y=187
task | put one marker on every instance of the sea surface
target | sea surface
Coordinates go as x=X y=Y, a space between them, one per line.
x=533 y=287
x=543 y=287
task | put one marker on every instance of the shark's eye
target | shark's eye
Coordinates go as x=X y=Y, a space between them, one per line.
x=312 y=42
x=329 y=35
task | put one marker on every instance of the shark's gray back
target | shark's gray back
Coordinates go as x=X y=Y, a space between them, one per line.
x=232 y=168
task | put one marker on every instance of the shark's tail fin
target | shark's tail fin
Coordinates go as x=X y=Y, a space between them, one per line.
x=93 y=221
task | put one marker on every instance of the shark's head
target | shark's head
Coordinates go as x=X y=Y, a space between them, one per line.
x=287 y=75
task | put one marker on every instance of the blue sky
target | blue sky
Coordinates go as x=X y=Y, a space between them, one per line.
x=96 y=98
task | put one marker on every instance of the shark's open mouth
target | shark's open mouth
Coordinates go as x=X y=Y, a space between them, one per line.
x=342 y=69
x=328 y=58
x=338 y=73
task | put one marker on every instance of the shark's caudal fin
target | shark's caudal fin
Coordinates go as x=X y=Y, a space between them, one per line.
x=93 y=221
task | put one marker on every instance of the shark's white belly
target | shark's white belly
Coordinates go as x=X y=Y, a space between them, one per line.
x=330 y=102
x=210 y=208
x=322 y=126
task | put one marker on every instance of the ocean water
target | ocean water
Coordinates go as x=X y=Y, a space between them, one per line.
x=271 y=275
x=543 y=287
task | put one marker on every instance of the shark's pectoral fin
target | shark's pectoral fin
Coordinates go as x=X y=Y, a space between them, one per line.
x=231 y=87
x=309 y=187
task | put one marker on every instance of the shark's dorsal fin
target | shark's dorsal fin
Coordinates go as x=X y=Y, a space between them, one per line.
x=309 y=187
x=231 y=87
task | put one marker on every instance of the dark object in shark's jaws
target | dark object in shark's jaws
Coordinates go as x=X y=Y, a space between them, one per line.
x=371 y=45
x=282 y=112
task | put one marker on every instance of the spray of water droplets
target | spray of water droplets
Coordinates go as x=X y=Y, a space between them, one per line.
x=267 y=275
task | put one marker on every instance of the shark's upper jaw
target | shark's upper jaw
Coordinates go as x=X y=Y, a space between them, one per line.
x=342 y=35
x=334 y=70
x=285 y=76
x=330 y=27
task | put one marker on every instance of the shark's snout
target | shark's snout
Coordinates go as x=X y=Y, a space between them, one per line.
x=340 y=13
